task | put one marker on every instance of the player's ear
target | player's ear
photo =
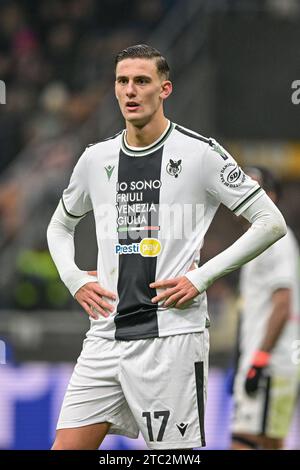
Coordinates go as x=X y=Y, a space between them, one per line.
x=116 y=94
x=166 y=89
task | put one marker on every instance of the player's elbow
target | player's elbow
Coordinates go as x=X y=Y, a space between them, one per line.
x=279 y=228
x=54 y=228
x=50 y=229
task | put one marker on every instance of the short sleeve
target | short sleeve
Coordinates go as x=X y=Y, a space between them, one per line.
x=75 y=199
x=226 y=181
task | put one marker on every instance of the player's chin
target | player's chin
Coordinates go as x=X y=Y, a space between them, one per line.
x=137 y=120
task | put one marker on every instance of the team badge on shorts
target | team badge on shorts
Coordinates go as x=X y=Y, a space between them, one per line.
x=174 y=167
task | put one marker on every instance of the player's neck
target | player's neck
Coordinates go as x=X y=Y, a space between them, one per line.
x=146 y=135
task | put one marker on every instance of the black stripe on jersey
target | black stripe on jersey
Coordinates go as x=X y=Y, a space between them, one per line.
x=73 y=216
x=247 y=199
x=137 y=315
x=104 y=140
x=199 y=376
x=190 y=134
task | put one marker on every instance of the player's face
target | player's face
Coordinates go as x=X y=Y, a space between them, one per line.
x=140 y=90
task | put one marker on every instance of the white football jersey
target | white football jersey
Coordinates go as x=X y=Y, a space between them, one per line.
x=277 y=267
x=152 y=208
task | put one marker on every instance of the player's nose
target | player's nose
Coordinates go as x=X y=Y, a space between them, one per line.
x=130 y=89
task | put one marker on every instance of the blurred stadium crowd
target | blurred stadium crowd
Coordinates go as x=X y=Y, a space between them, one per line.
x=56 y=57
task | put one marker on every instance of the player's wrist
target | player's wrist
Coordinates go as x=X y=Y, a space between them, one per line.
x=198 y=279
x=76 y=279
x=261 y=358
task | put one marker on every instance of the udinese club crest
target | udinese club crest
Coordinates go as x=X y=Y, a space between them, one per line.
x=174 y=167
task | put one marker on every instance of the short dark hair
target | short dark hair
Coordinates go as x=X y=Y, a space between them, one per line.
x=268 y=180
x=143 y=51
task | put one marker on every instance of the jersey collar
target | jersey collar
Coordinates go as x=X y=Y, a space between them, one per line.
x=142 y=151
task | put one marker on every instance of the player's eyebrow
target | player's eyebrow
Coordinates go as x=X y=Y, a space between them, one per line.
x=145 y=77
x=137 y=77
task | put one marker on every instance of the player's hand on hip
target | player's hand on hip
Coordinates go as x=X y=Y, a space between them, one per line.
x=177 y=291
x=91 y=298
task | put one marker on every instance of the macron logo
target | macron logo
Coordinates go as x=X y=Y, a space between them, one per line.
x=109 y=170
x=182 y=428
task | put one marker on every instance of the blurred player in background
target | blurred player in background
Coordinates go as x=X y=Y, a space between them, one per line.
x=144 y=363
x=265 y=388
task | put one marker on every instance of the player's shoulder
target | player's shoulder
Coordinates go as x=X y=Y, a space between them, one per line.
x=190 y=134
x=105 y=142
x=207 y=142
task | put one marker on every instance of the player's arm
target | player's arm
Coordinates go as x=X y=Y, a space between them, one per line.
x=281 y=311
x=226 y=183
x=74 y=205
x=267 y=226
x=82 y=285
x=60 y=236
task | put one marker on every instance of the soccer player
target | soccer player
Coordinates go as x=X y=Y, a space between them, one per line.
x=154 y=189
x=265 y=387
